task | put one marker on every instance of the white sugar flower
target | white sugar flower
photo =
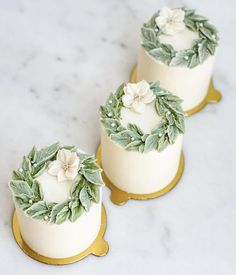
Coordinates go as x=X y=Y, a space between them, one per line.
x=137 y=96
x=66 y=165
x=170 y=21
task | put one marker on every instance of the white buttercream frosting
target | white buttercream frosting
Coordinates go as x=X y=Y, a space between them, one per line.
x=189 y=84
x=52 y=190
x=147 y=121
x=181 y=40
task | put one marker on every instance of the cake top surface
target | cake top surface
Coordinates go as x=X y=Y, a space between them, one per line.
x=179 y=37
x=146 y=121
x=56 y=183
x=143 y=117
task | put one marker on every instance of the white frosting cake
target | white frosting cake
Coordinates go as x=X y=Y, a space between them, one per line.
x=142 y=129
x=178 y=49
x=57 y=194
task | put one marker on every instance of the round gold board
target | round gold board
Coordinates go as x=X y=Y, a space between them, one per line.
x=212 y=96
x=98 y=248
x=120 y=197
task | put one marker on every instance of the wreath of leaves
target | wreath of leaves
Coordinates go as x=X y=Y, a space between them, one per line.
x=132 y=138
x=29 y=197
x=201 y=48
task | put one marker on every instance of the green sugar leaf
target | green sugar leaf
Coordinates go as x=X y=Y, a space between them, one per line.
x=62 y=215
x=163 y=143
x=93 y=177
x=148 y=34
x=161 y=55
x=22 y=202
x=135 y=129
x=46 y=153
x=120 y=91
x=190 y=24
x=188 y=12
x=148 y=45
x=36 y=190
x=39 y=169
x=151 y=142
x=26 y=165
x=17 y=175
x=32 y=153
x=76 y=211
x=182 y=58
x=94 y=192
x=55 y=210
x=202 y=51
x=123 y=138
x=198 y=18
x=194 y=61
x=38 y=210
x=21 y=187
x=133 y=145
x=84 y=199
x=179 y=122
x=172 y=133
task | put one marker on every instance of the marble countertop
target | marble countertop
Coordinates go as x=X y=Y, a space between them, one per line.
x=59 y=61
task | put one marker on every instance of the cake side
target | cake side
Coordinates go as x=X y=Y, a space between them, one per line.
x=57 y=194
x=189 y=84
x=142 y=128
x=60 y=241
x=139 y=173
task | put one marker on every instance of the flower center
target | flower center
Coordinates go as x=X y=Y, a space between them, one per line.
x=170 y=20
x=65 y=166
x=138 y=98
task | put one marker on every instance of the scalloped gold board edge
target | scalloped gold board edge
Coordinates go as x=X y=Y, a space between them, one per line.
x=120 y=197
x=98 y=248
x=212 y=96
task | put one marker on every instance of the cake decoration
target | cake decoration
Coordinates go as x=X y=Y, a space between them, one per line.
x=65 y=166
x=136 y=96
x=132 y=138
x=65 y=163
x=170 y=22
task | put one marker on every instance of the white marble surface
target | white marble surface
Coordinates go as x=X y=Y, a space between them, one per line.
x=59 y=59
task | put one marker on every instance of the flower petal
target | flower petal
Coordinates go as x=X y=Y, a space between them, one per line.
x=71 y=173
x=149 y=97
x=178 y=15
x=73 y=158
x=170 y=21
x=138 y=106
x=62 y=155
x=75 y=164
x=166 y=12
x=127 y=100
x=61 y=176
x=54 y=167
x=131 y=89
x=143 y=87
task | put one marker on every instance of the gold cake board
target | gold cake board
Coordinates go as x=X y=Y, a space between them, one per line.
x=212 y=96
x=120 y=197
x=99 y=247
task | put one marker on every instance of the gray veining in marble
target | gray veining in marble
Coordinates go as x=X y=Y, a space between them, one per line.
x=58 y=62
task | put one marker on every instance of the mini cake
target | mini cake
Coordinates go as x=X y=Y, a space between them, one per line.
x=142 y=128
x=57 y=194
x=178 y=49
